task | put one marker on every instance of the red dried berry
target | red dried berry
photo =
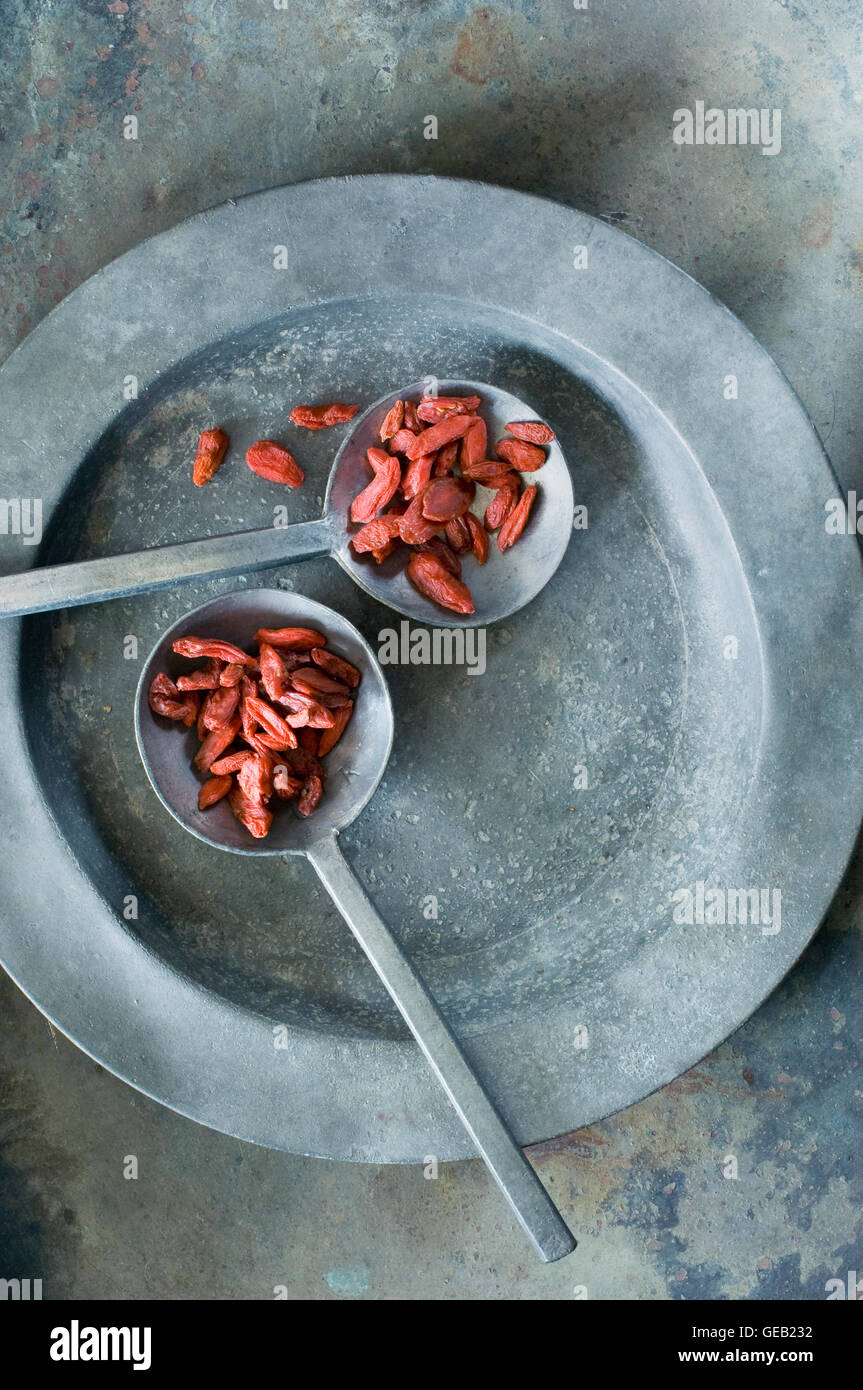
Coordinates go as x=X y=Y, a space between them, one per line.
x=320 y=417
x=517 y=520
x=212 y=447
x=275 y=463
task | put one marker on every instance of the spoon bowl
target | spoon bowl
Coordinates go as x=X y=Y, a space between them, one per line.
x=506 y=583
x=355 y=767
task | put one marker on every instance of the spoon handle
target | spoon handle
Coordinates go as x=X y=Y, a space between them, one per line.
x=116 y=576
x=510 y=1169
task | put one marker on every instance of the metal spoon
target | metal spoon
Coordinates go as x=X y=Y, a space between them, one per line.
x=355 y=768
x=499 y=588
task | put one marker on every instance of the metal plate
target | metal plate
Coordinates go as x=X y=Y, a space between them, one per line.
x=554 y=906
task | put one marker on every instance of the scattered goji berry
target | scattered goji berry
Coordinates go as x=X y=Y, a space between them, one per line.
x=320 y=417
x=212 y=447
x=275 y=463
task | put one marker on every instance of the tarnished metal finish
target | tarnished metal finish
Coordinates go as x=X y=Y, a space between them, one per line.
x=706 y=521
x=353 y=774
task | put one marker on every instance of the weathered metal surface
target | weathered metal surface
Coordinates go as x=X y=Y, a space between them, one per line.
x=549 y=99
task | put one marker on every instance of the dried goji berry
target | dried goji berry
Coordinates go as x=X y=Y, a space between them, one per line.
x=285 y=786
x=393 y=421
x=474 y=444
x=275 y=463
x=164 y=698
x=434 y=408
x=256 y=777
x=213 y=790
x=315 y=681
x=330 y=737
x=517 y=519
x=525 y=458
x=274 y=678
x=417 y=474
x=220 y=706
x=414 y=528
x=434 y=580
x=211 y=646
x=458 y=535
x=207 y=677
x=377 y=458
x=432 y=439
x=270 y=721
x=531 y=431
x=310 y=795
x=378 y=493
x=252 y=814
x=232 y=762
x=291 y=639
x=402 y=441
x=412 y=420
x=479 y=538
x=446 y=457
x=231 y=674
x=437 y=546
x=215 y=744
x=489 y=473
x=212 y=447
x=502 y=503
x=446 y=498
x=336 y=665
x=320 y=417
x=376 y=534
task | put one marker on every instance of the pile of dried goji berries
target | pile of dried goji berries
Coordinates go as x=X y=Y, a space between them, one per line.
x=289 y=705
x=416 y=499
x=265 y=457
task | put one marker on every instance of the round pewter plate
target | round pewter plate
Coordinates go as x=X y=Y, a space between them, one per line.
x=682 y=705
